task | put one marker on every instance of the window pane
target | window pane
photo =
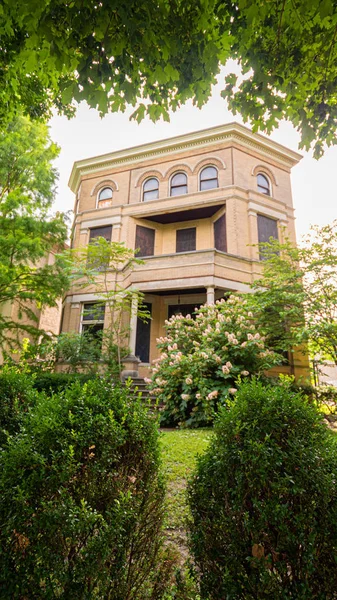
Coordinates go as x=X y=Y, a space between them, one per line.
x=209 y=173
x=93 y=311
x=186 y=240
x=144 y=241
x=105 y=194
x=95 y=330
x=104 y=232
x=179 y=179
x=208 y=184
x=151 y=195
x=263 y=184
x=180 y=189
x=151 y=184
x=220 y=237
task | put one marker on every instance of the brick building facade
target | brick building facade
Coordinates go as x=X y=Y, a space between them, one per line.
x=195 y=205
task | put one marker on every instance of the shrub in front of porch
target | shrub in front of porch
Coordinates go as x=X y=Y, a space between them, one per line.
x=203 y=358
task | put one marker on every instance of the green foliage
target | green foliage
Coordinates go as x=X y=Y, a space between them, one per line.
x=99 y=265
x=203 y=357
x=264 y=501
x=53 y=383
x=27 y=230
x=77 y=351
x=17 y=395
x=81 y=512
x=287 y=51
x=155 y=55
x=296 y=297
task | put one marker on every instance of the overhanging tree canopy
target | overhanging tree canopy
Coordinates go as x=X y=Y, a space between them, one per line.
x=27 y=230
x=155 y=54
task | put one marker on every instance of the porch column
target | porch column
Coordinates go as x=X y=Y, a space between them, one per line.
x=210 y=294
x=133 y=324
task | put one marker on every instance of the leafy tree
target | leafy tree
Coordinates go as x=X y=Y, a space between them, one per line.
x=27 y=230
x=99 y=266
x=296 y=297
x=157 y=54
x=287 y=50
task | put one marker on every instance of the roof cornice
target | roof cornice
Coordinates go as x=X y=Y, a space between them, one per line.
x=229 y=133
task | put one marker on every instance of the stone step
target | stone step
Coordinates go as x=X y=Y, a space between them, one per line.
x=138 y=386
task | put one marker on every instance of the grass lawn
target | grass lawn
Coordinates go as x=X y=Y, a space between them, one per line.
x=179 y=451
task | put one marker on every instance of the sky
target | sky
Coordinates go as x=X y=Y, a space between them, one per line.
x=314 y=183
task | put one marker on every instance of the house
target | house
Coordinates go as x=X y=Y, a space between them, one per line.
x=47 y=318
x=195 y=206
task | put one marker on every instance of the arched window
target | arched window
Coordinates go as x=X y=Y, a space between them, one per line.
x=263 y=184
x=209 y=178
x=151 y=189
x=178 y=184
x=104 y=197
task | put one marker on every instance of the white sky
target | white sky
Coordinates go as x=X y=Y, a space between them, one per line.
x=314 y=182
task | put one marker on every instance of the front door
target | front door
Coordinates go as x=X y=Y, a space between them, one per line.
x=143 y=336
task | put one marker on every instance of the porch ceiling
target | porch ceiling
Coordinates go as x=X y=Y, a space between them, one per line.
x=178 y=216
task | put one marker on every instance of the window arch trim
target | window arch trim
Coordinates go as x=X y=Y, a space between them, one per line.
x=153 y=173
x=102 y=184
x=210 y=161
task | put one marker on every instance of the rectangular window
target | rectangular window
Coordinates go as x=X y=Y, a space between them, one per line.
x=104 y=232
x=267 y=228
x=92 y=319
x=186 y=240
x=144 y=241
x=220 y=234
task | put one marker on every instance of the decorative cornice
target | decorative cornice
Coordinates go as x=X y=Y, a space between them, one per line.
x=230 y=133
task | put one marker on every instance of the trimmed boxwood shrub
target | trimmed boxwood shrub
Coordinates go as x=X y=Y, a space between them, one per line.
x=81 y=511
x=264 y=501
x=45 y=381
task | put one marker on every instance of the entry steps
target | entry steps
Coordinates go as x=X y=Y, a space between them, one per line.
x=139 y=386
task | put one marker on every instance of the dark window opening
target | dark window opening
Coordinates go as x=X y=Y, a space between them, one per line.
x=144 y=241
x=220 y=234
x=104 y=232
x=143 y=336
x=267 y=228
x=186 y=240
x=209 y=178
x=95 y=330
x=182 y=309
x=93 y=319
x=178 y=184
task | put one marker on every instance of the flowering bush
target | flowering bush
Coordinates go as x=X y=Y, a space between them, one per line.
x=203 y=358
